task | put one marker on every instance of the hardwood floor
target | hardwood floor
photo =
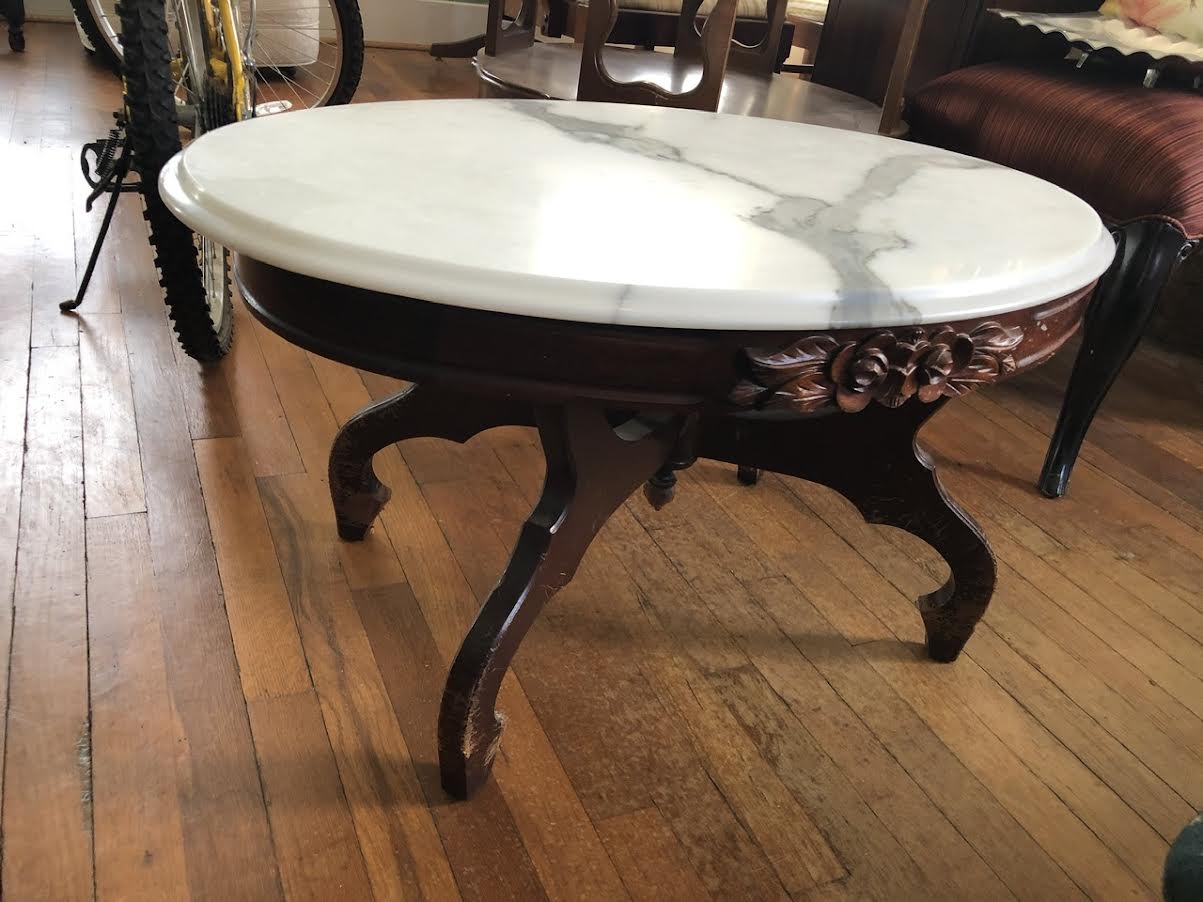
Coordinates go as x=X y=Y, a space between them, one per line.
x=209 y=696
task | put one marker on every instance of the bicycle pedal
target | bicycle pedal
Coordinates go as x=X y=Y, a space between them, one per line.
x=271 y=107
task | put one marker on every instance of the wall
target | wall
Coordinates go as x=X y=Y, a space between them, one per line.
x=420 y=21
x=385 y=21
x=51 y=9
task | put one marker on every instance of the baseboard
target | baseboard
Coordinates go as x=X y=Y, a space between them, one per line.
x=383 y=45
x=394 y=45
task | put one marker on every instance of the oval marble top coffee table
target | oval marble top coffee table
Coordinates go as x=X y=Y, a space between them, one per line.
x=786 y=297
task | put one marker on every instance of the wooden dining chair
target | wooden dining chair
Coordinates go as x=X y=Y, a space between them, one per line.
x=649 y=24
x=1134 y=153
x=698 y=74
x=641 y=23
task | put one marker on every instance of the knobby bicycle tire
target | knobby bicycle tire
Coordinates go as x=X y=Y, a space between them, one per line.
x=153 y=129
x=100 y=46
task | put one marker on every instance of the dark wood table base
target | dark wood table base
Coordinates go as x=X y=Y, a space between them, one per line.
x=619 y=407
x=596 y=458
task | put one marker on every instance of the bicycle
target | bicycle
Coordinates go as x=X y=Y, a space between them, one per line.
x=191 y=66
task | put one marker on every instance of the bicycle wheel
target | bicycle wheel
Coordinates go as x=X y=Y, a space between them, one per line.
x=102 y=25
x=304 y=53
x=194 y=272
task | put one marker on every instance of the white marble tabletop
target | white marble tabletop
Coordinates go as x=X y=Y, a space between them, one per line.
x=609 y=213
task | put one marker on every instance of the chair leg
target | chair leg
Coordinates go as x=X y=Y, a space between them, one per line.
x=1147 y=251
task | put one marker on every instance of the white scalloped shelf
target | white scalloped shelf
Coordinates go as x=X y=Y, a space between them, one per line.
x=1101 y=32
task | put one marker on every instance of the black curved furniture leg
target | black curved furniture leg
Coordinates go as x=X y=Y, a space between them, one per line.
x=1147 y=251
x=592 y=468
x=418 y=411
x=907 y=494
x=916 y=502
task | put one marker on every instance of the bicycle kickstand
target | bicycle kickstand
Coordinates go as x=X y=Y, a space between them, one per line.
x=110 y=178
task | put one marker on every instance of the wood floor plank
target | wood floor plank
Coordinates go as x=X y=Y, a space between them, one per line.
x=1094 y=867
x=735 y=608
x=139 y=838
x=808 y=571
x=271 y=661
x=400 y=844
x=309 y=418
x=755 y=792
x=16 y=273
x=600 y=707
x=1152 y=662
x=1103 y=812
x=1145 y=521
x=789 y=837
x=48 y=786
x=481 y=840
x=699 y=557
x=226 y=831
x=207 y=400
x=54 y=243
x=647 y=854
x=1094 y=693
x=312 y=829
x=1152 y=570
x=261 y=419
x=875 y=859
x=1115 y=764
x=1108 y=758
x=112 y=465
x=988 y=828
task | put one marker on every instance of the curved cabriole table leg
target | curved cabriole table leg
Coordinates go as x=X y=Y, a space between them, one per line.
x=872 y=459
x=914 y=500
x=592 y=468
x=415 y=412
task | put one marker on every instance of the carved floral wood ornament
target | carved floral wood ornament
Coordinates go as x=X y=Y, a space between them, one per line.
x=820 y=372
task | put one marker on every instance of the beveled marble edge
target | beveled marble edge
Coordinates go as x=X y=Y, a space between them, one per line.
x=595 y=302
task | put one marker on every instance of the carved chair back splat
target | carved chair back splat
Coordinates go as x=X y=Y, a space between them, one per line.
x=712 y=48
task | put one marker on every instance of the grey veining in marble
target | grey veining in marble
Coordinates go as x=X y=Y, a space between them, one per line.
x=636 y=215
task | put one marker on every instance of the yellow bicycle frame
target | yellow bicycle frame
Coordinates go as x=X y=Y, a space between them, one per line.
x=233 y=55
x=225 y=62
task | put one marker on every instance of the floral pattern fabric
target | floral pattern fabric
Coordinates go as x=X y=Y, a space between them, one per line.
x=1183 y=18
